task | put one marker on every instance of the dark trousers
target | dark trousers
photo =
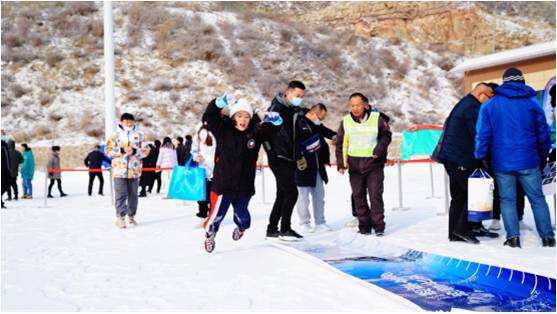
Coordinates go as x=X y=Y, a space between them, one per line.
x=458 y=211
x=59 y=181
x=92 y=176
x=204 y=205
x=219 y=207
x=372 y=215
x=520 y=200
x=158 y=179
x=125 y=194
x=13 y=185
x=287 y=195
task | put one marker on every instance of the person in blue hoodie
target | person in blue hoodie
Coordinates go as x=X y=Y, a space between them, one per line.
x=511 y=128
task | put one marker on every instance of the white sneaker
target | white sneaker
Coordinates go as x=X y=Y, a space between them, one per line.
x=352 y=223
x=495 y=225
x=322 y=227
x=524 y=226
x=306 y=228
x=120 y=222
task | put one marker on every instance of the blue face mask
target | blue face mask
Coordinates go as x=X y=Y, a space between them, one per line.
x=4 y=138
x=317 y=122
x=297 y=102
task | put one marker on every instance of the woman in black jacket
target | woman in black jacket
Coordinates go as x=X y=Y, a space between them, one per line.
x=239 y=138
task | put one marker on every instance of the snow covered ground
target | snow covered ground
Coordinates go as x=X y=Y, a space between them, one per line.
x=70 y=256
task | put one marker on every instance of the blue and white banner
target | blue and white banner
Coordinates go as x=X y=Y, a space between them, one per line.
x=440 y=283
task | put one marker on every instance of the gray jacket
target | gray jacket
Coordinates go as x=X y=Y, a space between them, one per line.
x=54 y=162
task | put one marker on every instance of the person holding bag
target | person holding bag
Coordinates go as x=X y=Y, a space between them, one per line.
x=238 y=139
x=204 y=154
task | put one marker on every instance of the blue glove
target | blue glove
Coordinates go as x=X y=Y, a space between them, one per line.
x=225 y=100
x=272 y=117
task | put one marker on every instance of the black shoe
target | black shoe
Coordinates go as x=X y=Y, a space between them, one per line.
x=200 y=215
x=3 y=206
x=101 y=194
x=379 y=233
x=50 y=196
x=455 y=239
x=63 y=194
x=140 y=195
x=483 y=232
x=549 y=242
x=513 y=242
x=290 y=235
x=9 y=199
x=272 y=234
x=467 y=238
x=15 y=198
x=89 y=194
x=364 y=231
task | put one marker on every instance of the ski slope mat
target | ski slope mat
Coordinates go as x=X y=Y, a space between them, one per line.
x=439 y=283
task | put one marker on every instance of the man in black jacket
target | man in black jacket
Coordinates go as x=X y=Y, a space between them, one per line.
x=457 y=154
x=94 y=161
x=5 y=171
x=181 y=151
x=15 y=160
x=281 y=155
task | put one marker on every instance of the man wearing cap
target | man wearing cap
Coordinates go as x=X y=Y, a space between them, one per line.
x=511 y=128
x=126 y=148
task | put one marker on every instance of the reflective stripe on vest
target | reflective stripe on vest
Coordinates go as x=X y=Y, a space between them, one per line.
x=362 y=137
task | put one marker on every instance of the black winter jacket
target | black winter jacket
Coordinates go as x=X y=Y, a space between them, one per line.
x=94 y=160
x=236 y=153
x=459 y=133
x=281 y=145
x=314 y=159
x=181 y=154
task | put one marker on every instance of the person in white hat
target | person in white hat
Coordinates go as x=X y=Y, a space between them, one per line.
x=239 y=137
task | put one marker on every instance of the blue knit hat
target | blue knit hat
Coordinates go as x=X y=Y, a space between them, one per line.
x=513 y=75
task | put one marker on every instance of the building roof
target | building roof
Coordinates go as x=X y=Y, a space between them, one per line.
x=505 y=57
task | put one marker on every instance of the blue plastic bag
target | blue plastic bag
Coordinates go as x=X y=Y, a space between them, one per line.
x=187 y=183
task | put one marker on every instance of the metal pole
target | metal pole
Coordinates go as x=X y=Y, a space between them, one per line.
x=110 y=111
x=446 y=183
x=112 y=201
x=431 y=179
x=399 y=168
x=45 y=187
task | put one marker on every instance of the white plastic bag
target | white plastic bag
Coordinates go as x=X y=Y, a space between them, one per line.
x=480 y=196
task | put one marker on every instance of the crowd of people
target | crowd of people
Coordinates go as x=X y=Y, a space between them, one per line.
x=501 y=129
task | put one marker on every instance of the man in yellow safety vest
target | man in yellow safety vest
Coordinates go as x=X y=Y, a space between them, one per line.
x=362 y=142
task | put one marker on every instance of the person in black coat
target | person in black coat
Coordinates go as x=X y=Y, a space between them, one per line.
x=5 y=170
x=181 y=151
x=282 y=161
x=238 y=140
x=457 y=155
x=94 y=161
x=156 y=175
x=312 y=156
x=148 y=177
x=16 y=159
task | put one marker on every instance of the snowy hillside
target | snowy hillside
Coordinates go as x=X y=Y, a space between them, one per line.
x=72 y=257
x=172 y=58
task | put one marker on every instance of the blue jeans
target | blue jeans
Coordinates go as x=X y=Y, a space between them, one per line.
x=27 y=186
x=531 y=182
